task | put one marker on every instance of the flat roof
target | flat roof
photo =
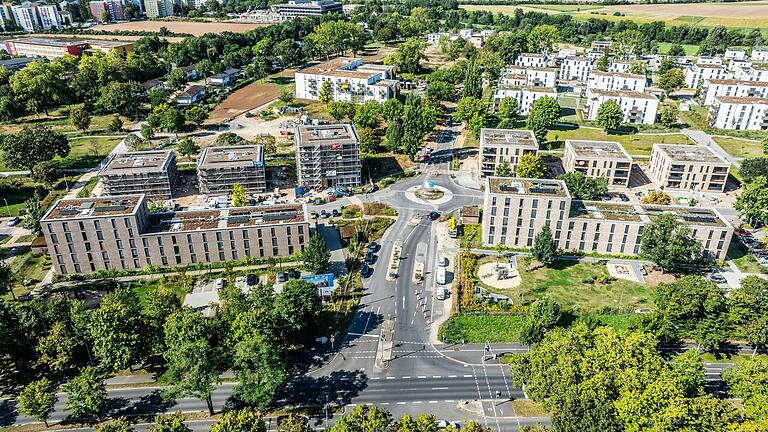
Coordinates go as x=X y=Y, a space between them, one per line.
x=508 y=137
x=737 y=82
x=326 y=134
x=579 y=58
x=690 y=153
x=598 y=149
x=341 y=67
x=623 y=93
x=645 y=213
x=619 y=74
x=137 y=162
x=524 y=186
x=107 y=43
x=539 y=55
x=528 y=88
x=49 y=41
x=530 y=68
x=742 y=100
x=77 y=208
x=194 y=220
x=231 y=156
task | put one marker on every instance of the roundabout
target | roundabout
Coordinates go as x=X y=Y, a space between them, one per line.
x=429 y=193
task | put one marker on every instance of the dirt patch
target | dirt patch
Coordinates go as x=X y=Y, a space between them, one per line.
x=247 y=98
x=656 y=277
x=191 y=27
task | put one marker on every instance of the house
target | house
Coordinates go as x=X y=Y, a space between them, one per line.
x=759 y=55
x=596 y=159
x=616 y=81
x=192 y=73
x=531 y=60
x=190 y=95
x=466 y=33
x=696 y=74
x=524 y=95
x=620 y=66
x=735 y=54
x=225 y=78
x=575 y=68
x=739 y=113
x=152 y=84
x=688 y=168
x=350 y=80
x=637 y=107
x=731 y=87
x=528 y=76
x=601 y=46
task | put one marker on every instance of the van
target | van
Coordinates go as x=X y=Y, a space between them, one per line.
x=440 y=294
x=441 y=275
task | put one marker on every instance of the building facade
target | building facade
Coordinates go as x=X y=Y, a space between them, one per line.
x=531 y=60
x=515 y=210
x=498 y=146
x=696 y=74
x=525 y=96
x=328 y=156
x=575 y=68
x=114 y=8
x=152 y=173
x=616 y=81
x=43 y=47
x=739 y=113
x=86 y=235
x=528 y=76
x=734 y=88
x=688 y=168
x=637 y=107
x=306 y=8
x=350 y=81
x=598 y=159
x=158 y=8
x=219 y=168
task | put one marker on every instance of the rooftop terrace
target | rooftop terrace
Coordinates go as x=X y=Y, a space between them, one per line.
x=689 y=153
x=598 y=149
x=76 y=208
x=523 y=186
x=326 y=134
x=193 y=220
x=510 y=137
x=644 y=213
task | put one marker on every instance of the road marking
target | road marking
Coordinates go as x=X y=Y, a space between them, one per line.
x=401 y=403
x=436 y=402
x=421 y=376
x=448 y=401
x=468 y=376
x=439 y=388
x=403 y=302
x=436 y=376
x=406 y=377
x=451 y=376
x=385 y=403
x=375 y=378
x=416 y=402
x=390 y=377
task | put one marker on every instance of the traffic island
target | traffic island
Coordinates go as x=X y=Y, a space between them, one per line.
x=386 y=344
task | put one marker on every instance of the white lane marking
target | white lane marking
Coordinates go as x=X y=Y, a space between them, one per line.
x=479 y=395
x=403 y=302
x=468 y=376
x=416 y=402
x=436 y=402
x=390 y=378
x=375 y=378
x=451 y=376
x=401 y=403
x=421 y=377
x=436 y=376
x=448 y=401
x=490 y=393
x=406 y=377
x=439 y=388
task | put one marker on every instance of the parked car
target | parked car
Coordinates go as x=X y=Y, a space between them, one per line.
x=373 y=247
x=219 y=283
x=370 y=258
x=335 y=213
x=717 y=278
x=434 y=215
x=442 y=261
x=281 y=277
x=441 y=293
x=14 y=221
x=324 y=214
x=251 y=279
x=623 y=197
x=365 y=270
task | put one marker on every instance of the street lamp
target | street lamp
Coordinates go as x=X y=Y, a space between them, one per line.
x=6 y=207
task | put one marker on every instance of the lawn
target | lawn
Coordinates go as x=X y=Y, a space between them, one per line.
x=636 y=144
x=744 y=261
x=28 y=270
x=482 y=328
x=87 y=152
x=741 y=148
x=572 y=283
x=472 y=236
x=689 y=49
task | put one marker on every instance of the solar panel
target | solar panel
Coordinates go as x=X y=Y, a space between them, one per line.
x=109 y=208
x=699 y=211
x=276 y=217
x=68 y=212
x=544 y=190
x=699 y=219
x=238 y=219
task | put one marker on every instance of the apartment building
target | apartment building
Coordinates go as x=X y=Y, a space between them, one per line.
x=33 y=17
x=158 y=8
x=637 y=107
x=616 y=81
x=152 y=173
x=306 y=8
x=739 y=113
x=49 y=17
x=219 y=168
x=350 y=81
x=44 y=47
x=114 y=8
x=735 y=54
x=601 y=46
x=86 y=235
x=503 y=145
x=525 y=96
x=697 y=73
x=531 y=60
x=752 y=73
x=516 y=209
x=595 y=159
x=575 y=68
x=528 y=76
x=687 y=168
x=618 y=66
x=759 y=55
x=731 y=87
x=328 y=156
x=7 y=21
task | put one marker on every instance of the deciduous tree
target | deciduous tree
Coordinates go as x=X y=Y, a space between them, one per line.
x=240 y=420
x=668 y=115
x=121 y=98
x=175 y=423
x=316 y=255
x=196 y=114
x=531 y=166
x=326 y=94
x=33 y=213
x=668 y=243
x=544 y=249
x=583 y=187
x=297 y=307
x=80 y=118
x=657 y=197
x=408 y=56
x=187 y=147
x=671 y=80
x=367 y=114
x=33 y=144
x=37 y=399
x=504 y=170
x=239 y=198
x=752 y=202
x=609 y=115
x=339 y=110
x=86 y=394
x=117 y=330
x=543 y=38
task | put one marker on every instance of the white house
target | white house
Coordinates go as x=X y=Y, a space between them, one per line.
x=191 y=95
x=637 y=107
x=525 y=96
x=620 y=66
x=759 y=55
x=735 y=54
x=753 y=73
x=615 y=81
x=434 y=38
x=739 y=113
x=731 y=87
x=350 y=81
x=601 y=46
x=708 y=60
x=466 y=33
x=575 y=68
x=531 y=60
x=696 y=74
x=528 y=76
x=225 y=78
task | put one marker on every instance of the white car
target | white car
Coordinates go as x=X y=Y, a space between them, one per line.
x=444 y=424
x=442 y=261
x=219 y=283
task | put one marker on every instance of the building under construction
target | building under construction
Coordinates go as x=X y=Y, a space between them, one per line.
x=219 y=168
x=152 y=173
x=328 y=156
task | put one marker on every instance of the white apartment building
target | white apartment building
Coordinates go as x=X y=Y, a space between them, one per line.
x=687 y=168
x=739 y=113
x=158 y=8
x=735 y=66
x=528 y=76
x=752 y=73
x=434 y=38
x=575 y=68
x=637 y=107
x=759 y=55
x=533 y=60
x=620 y=67
x=735 y=54
x=596 y=159
x=49 y=17
x=616 y=81
x=503 y=145
x=466 y=33
x=696 y=74
x=350 y=81
x=736 y=88
x=708 y=60
x=26 y=17
x=524 y=95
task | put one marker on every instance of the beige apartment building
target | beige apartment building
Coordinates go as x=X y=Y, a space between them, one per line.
x=516 y=209
x=328 y=156
x=86 y=235
x=688 y=167
x=219 y=168
x=598 y=159
x=152 y=173
x=503 y=145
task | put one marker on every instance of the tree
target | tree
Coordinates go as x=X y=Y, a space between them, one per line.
x=37 y=399
x=752 y=202
x=86 y=394
x=166 y=117
x=80 y=118
x=544 y=249
x=543 y=38
x=193 y=356
x=657 y=197
x=326 y=95
x=187 y=147
x=583 y=187
x=117 y=330
x=668 y=115
x=609 y=115
x=239 y=198
x=244 y=419
x=531 y=166
x=752 y=168
x=120 y=424
x=121 y=98
x=105 y=17
x=316 y=255
x=748 y=380
x=539 y=125
x=297 y=308
x=369 y=419
x=473 y=81
x=367 y=114
x=45 y=173
x=335 y=37
x=765 y=146
x=666 y=64
x=441 y=91
x=369 y=140
x=7 y=279
x=175 y=423
x=176 y=78
x=394 y=135
x=668 y=243
x=259 y=371
x=548 y=107
x=158 y=96
x=57 y=348
x=508 y=109
x=33 y=212
x=408 y=56
x=602 y=64
x=288 y=51
x=339 y=110
x=413 y=131
x=544 y=314
x=196 y=114
x=116 y=125
x=688 y=301
x=33 y=144
x=504 y=170
x=147 y=131
x=286 y=97
x=39 y=86
x=676 y=50
x=671 y=80
x=294 y=423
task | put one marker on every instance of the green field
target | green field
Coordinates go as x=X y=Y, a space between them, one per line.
x=636 y=145
x=689 y=49
x=87 y=152
x=746 y=262
x=740 y=148
x=28 y=270
x=482 y=328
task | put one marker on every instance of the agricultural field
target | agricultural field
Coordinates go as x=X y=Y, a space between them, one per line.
x=736 y=15
x=190 y=27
